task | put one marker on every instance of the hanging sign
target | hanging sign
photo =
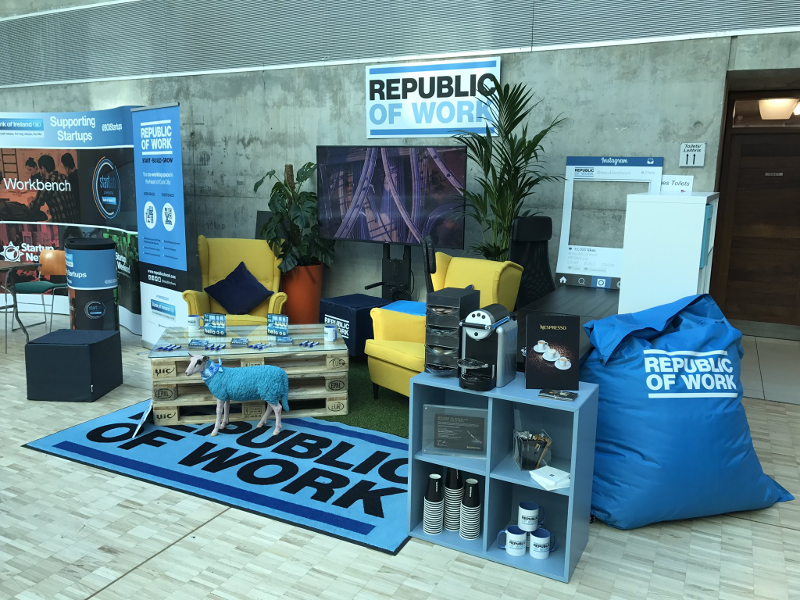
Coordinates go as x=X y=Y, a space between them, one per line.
x=431 y=99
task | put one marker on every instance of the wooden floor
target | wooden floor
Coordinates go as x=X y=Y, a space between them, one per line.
x=72 y=531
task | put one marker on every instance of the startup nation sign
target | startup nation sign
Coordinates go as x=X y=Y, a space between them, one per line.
x=434 y=99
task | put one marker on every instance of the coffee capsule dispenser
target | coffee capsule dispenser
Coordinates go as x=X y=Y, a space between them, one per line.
x=444 y=313
x=488 y=349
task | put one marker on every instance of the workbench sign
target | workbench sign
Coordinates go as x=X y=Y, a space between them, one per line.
x=338 y=480
x=432 y=99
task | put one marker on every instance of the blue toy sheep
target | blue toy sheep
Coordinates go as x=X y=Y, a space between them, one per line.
x=269 y=383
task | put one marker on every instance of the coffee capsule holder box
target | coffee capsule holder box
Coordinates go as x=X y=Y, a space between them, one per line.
x=214 y=324
x=444 y=312
x=277 y=325
x=502 y=483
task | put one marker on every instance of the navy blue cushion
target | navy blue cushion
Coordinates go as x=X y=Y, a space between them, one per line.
x=239 y=292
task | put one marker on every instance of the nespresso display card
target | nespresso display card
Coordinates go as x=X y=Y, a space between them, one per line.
x=551 y=353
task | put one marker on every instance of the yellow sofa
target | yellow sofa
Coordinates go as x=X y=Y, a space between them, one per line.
x=220 y=256
x=397 y=352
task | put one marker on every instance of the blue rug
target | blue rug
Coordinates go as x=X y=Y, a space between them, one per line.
x=338 y=480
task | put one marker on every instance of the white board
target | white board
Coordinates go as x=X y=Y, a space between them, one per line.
x=591 y=266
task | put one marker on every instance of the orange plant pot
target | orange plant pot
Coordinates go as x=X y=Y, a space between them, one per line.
x=303 y=287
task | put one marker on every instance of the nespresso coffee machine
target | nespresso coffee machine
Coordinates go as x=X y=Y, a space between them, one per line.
x=488 y=349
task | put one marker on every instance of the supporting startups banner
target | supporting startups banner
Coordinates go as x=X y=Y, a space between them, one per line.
x=70 y=175
x=433 y=99
x=162 y=226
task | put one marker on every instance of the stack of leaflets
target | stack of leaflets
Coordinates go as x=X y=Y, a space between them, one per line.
x=558 y=395
x=551 y=478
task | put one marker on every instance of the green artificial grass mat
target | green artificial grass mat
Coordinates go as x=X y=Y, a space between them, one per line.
x=389 y=413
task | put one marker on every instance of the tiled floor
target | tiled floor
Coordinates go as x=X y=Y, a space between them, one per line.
x=69 y=531
x=771 y=369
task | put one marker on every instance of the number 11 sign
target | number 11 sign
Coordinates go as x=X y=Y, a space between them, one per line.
x=693 y=154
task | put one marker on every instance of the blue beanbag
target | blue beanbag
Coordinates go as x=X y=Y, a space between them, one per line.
x=672 y=435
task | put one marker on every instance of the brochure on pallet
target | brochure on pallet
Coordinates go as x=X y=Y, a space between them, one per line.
x=551 y=478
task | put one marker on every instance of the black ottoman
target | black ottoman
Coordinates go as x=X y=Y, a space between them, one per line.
x=351 y=315
x=73 y=365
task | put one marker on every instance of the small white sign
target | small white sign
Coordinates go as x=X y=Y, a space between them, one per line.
x=693 y=154
x=145 y=414
x=677 y=184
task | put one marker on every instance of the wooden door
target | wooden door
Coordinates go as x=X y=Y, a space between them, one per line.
x=758 y=268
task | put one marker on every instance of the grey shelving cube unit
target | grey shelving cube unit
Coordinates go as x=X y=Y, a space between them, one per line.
x=503 y=484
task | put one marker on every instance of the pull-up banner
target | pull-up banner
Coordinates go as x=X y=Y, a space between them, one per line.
x=160 y=214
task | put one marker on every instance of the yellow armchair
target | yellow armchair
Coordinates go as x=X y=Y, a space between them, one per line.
x=498 y=282
x=220 y=256
x=397 y=352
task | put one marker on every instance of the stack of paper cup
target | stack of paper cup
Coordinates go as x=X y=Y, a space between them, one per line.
x=453 y=493
x=433 y=510
x=470 y=526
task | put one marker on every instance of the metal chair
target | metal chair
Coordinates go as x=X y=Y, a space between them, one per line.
x=6 y=291
x=51 y=263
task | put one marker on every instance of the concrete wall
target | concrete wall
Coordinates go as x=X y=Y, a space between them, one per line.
x=640 y=99
x=13 y=8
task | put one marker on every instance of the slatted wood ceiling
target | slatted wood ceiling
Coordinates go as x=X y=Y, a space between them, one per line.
x=166 y=37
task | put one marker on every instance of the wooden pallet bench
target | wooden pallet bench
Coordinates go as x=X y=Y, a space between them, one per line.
x=203 y=410
x=318 y=384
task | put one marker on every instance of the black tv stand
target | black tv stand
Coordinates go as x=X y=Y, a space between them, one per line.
x=395 y=275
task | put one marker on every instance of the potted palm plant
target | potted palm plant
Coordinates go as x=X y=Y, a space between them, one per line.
x=292 y=231
x=510 y=164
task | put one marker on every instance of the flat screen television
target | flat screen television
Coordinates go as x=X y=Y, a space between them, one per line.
x=394 y=194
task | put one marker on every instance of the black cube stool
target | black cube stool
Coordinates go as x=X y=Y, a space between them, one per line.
x=73 y=365
x=351 y=316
